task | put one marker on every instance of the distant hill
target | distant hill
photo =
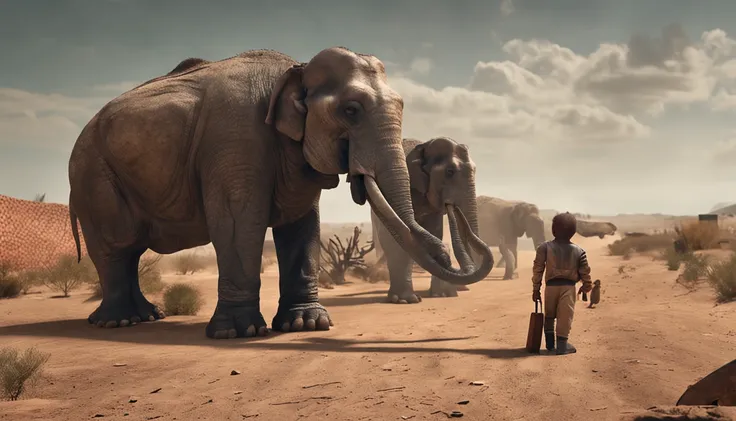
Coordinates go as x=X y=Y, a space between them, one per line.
x=726 y=210
x=720 y=206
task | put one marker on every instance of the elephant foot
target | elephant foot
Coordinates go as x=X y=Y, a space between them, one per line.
x=236 y=320
x=122 y=314
x=508 y=277
x=298 y=317
x=439 y=288
x=407 y=296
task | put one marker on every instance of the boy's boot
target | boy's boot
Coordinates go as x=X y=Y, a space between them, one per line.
x=549 y=333
x=563 y=347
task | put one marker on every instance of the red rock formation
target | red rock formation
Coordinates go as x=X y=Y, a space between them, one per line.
x=33 y=235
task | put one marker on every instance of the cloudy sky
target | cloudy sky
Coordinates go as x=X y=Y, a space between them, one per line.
x=594 y=106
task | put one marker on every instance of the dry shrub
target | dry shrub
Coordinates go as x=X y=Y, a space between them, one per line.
x=722 y=277
x=67 y=275
x=698 y=235
x=640 y=244
x=189 y=262
x=19 y=370
x=672 y=258
x=371 y=273
x=182 y=300
x=696 y=267
x=149 y=276
x=10 y=284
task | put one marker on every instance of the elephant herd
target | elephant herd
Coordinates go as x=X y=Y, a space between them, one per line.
x=219 y=151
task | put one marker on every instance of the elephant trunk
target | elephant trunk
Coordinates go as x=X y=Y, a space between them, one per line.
x=389 y=196
x=469 y=207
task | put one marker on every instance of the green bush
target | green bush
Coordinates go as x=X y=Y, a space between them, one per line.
x=182 y=299
x=19 y=370
x=722 y=277
x=10 y=284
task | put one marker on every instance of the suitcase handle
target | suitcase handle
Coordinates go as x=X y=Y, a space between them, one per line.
x=537 y=304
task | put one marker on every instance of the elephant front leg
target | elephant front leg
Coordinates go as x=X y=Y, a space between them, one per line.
x=400 y=265
x=238 y=247
x=438 y=287
x=297 y=251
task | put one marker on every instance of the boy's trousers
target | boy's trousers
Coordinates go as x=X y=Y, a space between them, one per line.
x=559 y=303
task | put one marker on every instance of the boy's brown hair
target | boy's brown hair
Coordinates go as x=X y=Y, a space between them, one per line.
x=564 y=226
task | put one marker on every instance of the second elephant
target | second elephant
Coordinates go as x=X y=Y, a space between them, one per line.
x=502 y=222
x=441 y=173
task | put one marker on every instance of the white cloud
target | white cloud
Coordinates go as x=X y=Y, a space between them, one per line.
x=51 y=120
x=117 y=88
x=421 y=66
x=547 y=92
x=507 y=7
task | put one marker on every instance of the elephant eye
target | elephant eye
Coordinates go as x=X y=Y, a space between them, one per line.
x=450 y=172
x=351 y=109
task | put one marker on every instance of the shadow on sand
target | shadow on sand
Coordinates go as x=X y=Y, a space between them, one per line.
x=169 y=332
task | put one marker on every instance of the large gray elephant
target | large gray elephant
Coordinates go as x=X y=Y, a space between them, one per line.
x=441 y=173
x=220 y=151
x=502 y=222
x=595 y=228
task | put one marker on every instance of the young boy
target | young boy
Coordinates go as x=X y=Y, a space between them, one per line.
x=565 y=264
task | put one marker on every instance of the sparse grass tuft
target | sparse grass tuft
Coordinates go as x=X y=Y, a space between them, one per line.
x=722 y=277
x=188 y=263
x=10 y=284
x=640 y=244
x=182 y=299
x=19 y=370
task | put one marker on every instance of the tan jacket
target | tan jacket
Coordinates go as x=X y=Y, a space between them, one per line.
x=564 y=260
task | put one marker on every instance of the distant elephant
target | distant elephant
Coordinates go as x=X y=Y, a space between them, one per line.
x=502 y=222
x=220 y=151
x=441 y=173
x=594 y=228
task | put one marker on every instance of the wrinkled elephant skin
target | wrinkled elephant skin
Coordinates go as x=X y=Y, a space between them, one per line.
x=221 y=151
x=441 y=172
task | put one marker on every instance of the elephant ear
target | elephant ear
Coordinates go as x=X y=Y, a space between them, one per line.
x=286 y=107
x=519 y=213
x=415 y=162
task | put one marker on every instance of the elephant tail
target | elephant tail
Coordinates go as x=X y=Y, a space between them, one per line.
x=75 y=231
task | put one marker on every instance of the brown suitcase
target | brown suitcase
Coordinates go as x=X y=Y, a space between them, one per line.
x=536 y=325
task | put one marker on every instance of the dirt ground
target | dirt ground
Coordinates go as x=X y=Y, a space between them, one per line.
x=642 y=346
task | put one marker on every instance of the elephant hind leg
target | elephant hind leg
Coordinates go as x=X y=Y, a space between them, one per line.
x=115 y=245
x=123 y=302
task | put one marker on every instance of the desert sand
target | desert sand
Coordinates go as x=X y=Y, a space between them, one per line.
x=641 y=346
